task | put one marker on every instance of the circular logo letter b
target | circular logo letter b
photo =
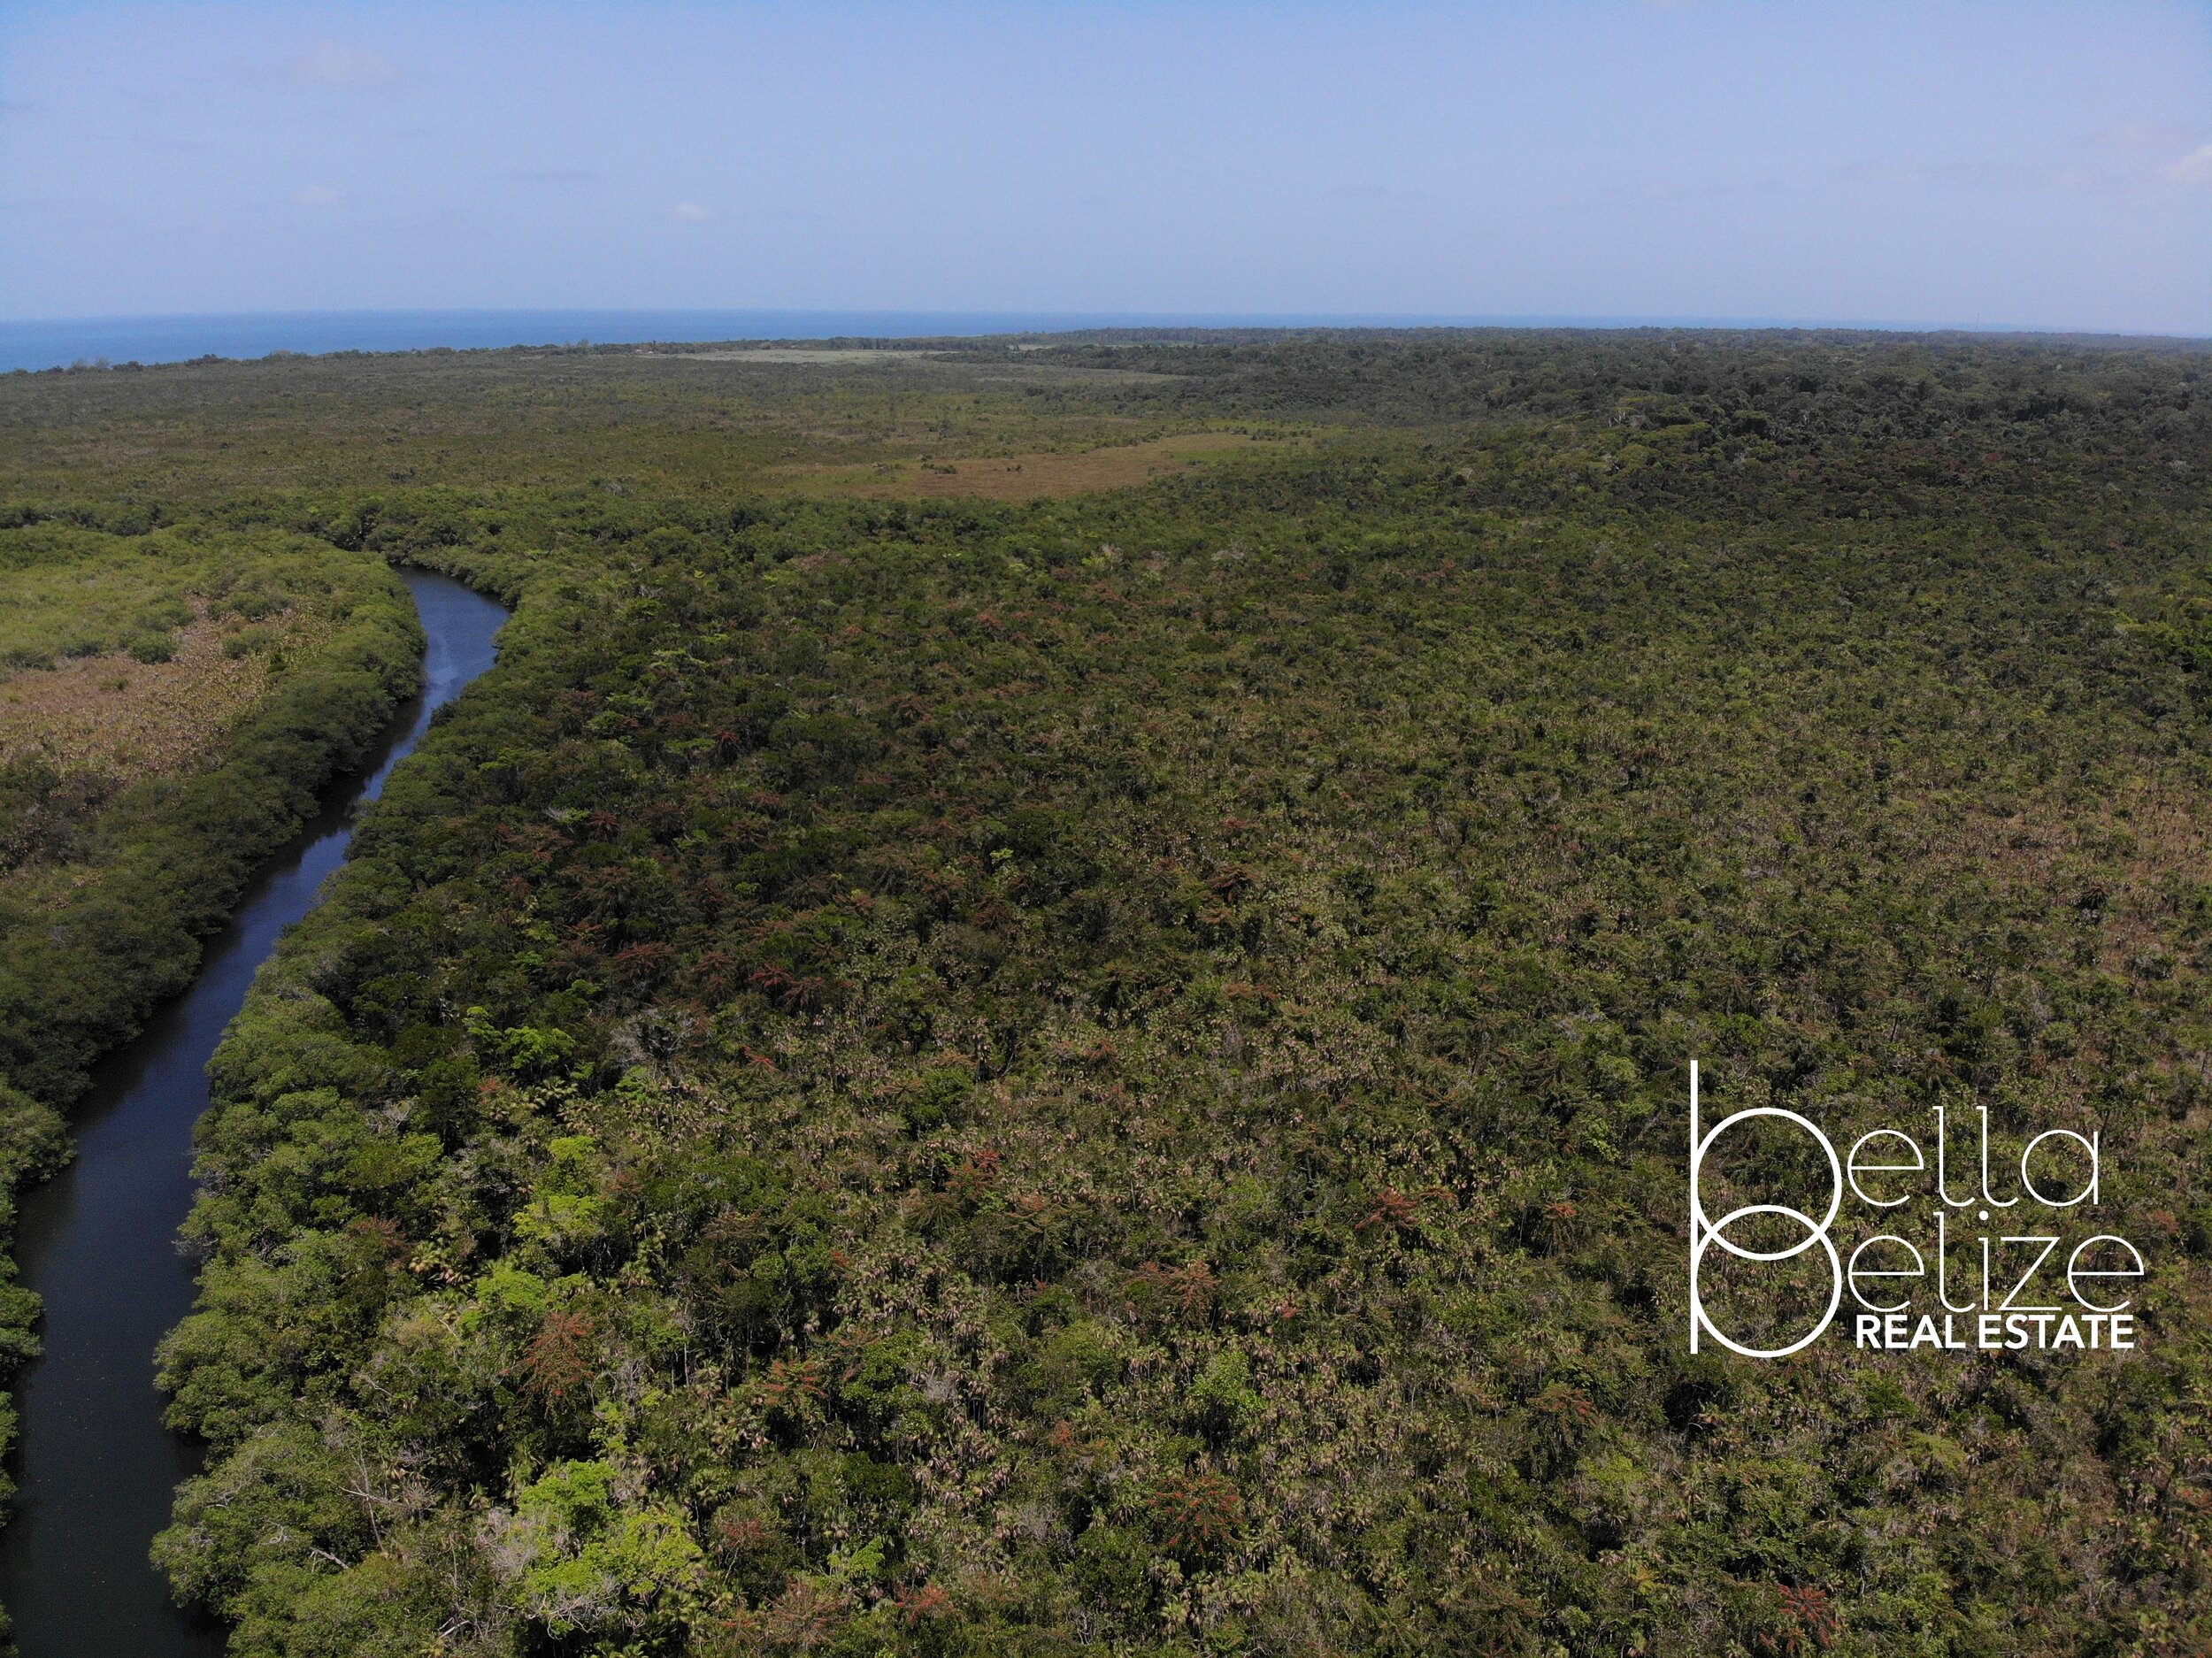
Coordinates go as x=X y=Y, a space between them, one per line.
x=1705 y=1232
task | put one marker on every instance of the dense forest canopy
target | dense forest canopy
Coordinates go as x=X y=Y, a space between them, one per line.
x=1105 y=1073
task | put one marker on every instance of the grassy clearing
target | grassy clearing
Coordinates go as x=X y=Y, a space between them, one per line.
x=68 y=592
x=127 y=718
x=133 y=655
x=834 y=357
x=96 y=724
x=1037 y=475
x=629 y=420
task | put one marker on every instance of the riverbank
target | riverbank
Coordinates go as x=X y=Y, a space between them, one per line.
x=85 y=964
x=98 y=1466
x=80 y=973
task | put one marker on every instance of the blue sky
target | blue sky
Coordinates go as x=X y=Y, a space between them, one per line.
x=1927 y=162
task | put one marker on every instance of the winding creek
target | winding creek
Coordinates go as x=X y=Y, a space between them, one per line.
x=99 y=1242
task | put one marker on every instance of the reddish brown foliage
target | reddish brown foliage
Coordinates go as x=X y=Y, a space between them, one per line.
x=560 y=1358
x=1196 y=1513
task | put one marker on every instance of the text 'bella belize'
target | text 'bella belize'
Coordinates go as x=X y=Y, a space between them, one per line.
x=2017 y=1295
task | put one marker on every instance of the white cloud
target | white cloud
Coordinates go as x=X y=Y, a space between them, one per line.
x=2193 y=168
x=688 y=212
x=331 y=64
x=319 y=196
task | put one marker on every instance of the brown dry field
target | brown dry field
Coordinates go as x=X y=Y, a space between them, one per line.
x=1028 y=477
x=128 y=720
x=846 y=356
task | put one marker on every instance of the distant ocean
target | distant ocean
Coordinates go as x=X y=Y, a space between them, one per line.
x=58 y=344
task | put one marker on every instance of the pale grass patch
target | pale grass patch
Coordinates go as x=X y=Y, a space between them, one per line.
x=1029 y=476
x=128 y=720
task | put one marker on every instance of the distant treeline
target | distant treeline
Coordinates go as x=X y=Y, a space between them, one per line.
x=1916 y=399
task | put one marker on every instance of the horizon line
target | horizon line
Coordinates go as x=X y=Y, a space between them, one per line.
x=92 y=344
x=1074 y=321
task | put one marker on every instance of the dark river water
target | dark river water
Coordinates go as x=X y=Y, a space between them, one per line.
x=97 y=1467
